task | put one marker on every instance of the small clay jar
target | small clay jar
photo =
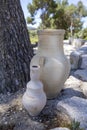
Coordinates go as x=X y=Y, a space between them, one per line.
x=34 y=99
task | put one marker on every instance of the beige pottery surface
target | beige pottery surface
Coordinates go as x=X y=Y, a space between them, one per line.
x=34 y=99
x=54 y=66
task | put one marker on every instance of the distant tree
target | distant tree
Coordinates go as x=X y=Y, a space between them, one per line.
x=57 y=14
x=33 y=36
x=46 y=9
x=76 y=13
x=60 y=19
x=81 y=10
x=15 y=48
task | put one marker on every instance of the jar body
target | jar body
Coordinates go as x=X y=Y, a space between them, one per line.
x=34 y=99
x=54 y=66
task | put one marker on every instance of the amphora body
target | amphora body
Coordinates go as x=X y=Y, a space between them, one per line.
x=54 y=66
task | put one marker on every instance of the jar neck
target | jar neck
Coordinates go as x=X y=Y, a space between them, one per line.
x=50 y=44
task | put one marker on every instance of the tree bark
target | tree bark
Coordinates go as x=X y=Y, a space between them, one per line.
x=15 y=48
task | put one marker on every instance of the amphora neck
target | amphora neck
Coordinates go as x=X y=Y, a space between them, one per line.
x=50 y=41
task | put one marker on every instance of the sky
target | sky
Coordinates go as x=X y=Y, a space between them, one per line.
x=24 y=4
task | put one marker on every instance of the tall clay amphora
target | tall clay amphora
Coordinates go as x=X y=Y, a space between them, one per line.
x=54 y=66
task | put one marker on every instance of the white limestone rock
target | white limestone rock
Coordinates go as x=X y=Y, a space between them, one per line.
x=81 y=74
x=77 y=43
x=60 y=128
x=84 y=61
x=74 y=59
x=76 y=108
x=82 y=50
x=72 y=82
x=84 y=88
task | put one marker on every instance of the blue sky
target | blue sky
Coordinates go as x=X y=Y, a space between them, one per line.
x=24 y=4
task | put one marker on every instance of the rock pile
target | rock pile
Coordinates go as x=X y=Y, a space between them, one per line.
x=78 y=61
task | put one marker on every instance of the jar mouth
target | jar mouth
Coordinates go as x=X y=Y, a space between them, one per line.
x=51 y=31
x=35 y=67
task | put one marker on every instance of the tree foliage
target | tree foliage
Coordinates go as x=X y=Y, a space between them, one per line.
x=33 y=36
x=45 y=7
x=84 y=33
x=57 y=14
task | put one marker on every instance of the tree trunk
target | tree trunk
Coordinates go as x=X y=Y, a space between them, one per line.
x=15 y=48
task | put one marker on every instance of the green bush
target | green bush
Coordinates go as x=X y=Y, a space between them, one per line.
x=33 y=36
x=85 y=33
x=75 y=125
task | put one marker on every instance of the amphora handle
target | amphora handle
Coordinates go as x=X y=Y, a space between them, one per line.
x=42 y=61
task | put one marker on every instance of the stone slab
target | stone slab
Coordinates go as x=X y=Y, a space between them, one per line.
x=83 y=61
x=74 y=59
x=81 y=74
x=76 y=108
x=84 y=88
